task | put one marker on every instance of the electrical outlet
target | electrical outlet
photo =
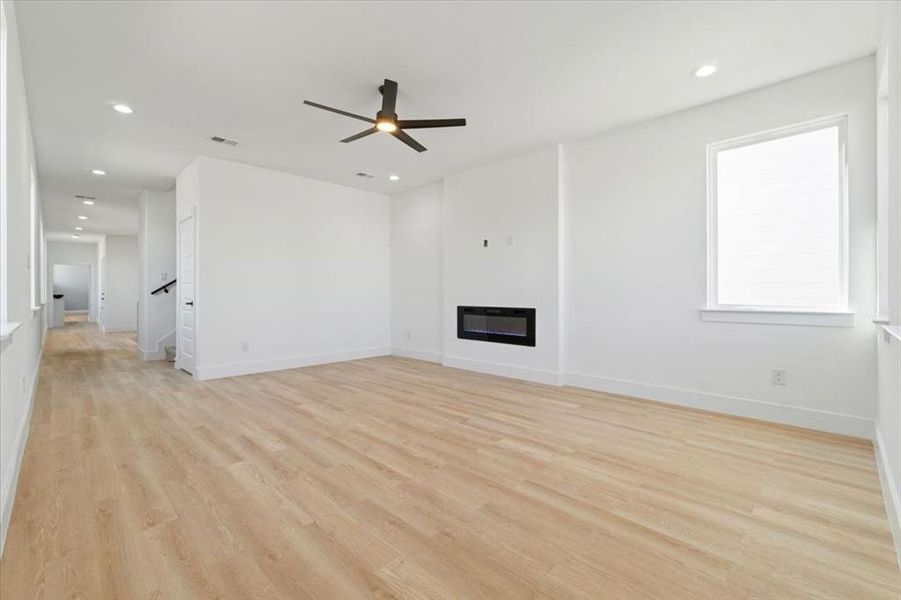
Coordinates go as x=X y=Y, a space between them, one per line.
x=245 y=346
x=510 y=239
x=778 y=376
x=408 y=335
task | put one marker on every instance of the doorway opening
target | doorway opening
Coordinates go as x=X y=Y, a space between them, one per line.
x=71 y=293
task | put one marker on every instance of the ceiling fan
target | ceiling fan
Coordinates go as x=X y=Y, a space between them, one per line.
x=386 y=119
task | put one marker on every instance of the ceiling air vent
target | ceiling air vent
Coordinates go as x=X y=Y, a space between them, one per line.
x=83 y=197
x=365 y=175
x=221 y=140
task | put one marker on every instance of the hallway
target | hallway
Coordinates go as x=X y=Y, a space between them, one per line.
x=390 y=477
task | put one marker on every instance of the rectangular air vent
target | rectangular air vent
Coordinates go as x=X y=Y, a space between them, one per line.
x=221 y=140
x=83 y=197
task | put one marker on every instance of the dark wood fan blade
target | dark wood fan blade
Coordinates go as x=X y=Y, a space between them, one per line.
x=389 y=99
x=339 y=111
x=362 y=134
x=428 y=123
x=399 y=134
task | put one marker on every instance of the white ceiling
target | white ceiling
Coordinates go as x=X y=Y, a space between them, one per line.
x=523 y=74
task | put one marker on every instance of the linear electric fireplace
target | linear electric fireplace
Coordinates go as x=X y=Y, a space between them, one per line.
x=500 y=324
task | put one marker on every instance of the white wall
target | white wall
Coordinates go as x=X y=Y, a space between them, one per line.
x=20 y=355
x=298 y=269
x=74 y=283
x=888 y=411
x=416 y=273
x=121 y=283
x=156 y=243
x=74 y=253
x=635 y=264
x=519 y=197
x=636 y=270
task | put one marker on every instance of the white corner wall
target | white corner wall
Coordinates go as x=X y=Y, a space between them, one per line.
x=156 y=247
x=636 y=266
x=20 y=355
x=120 y=283
x=516 y=205
x=416 y=273
x=290 y=271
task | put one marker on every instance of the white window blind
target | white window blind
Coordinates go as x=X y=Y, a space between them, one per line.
x=777 y=219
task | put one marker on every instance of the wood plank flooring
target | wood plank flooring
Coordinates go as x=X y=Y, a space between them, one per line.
x=396 y=478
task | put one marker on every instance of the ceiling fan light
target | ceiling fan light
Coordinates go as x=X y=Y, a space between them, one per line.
x=387 y=126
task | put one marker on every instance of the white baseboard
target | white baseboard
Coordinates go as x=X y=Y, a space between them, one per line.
x=8 y=495
x=426 y=355
x=809 y=418
x=148 y=355
x=492 y=368
x=742 y=407
x=293 y=362
x=889 y=493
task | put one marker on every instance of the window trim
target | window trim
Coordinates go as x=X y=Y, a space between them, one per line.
x=714 y=311
x=4 y=180
x=34 y=259
x=822 y=318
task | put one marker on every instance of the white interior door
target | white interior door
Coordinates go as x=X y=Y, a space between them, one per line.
x=187 y=330
x=101 y=311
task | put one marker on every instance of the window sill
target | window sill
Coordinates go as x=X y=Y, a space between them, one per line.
x=779 y=317
x=6 y=331
x=893 y=330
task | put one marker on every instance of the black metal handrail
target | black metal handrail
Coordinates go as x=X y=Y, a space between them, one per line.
x=163 y=288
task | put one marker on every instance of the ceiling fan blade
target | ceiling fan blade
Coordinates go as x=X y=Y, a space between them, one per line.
x=399 y=134
x=339 y=111
x=362 y=134
x=428 y=123
x=389 y=99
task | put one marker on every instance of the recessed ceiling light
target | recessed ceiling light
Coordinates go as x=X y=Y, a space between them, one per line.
x=393 y=177
x=82 y=218
x=76 y=236
x=88 y=202
x=98 y=172
x=79 y=229
x=704 y=70
x=123 y=108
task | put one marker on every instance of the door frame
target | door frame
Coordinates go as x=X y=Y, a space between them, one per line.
x=192 y=213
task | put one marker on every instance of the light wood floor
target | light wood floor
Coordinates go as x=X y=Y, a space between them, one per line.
x=396 y=478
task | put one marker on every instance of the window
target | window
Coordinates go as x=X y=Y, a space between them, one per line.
x=3 y=179
x=883 y=211
x=777 y=221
